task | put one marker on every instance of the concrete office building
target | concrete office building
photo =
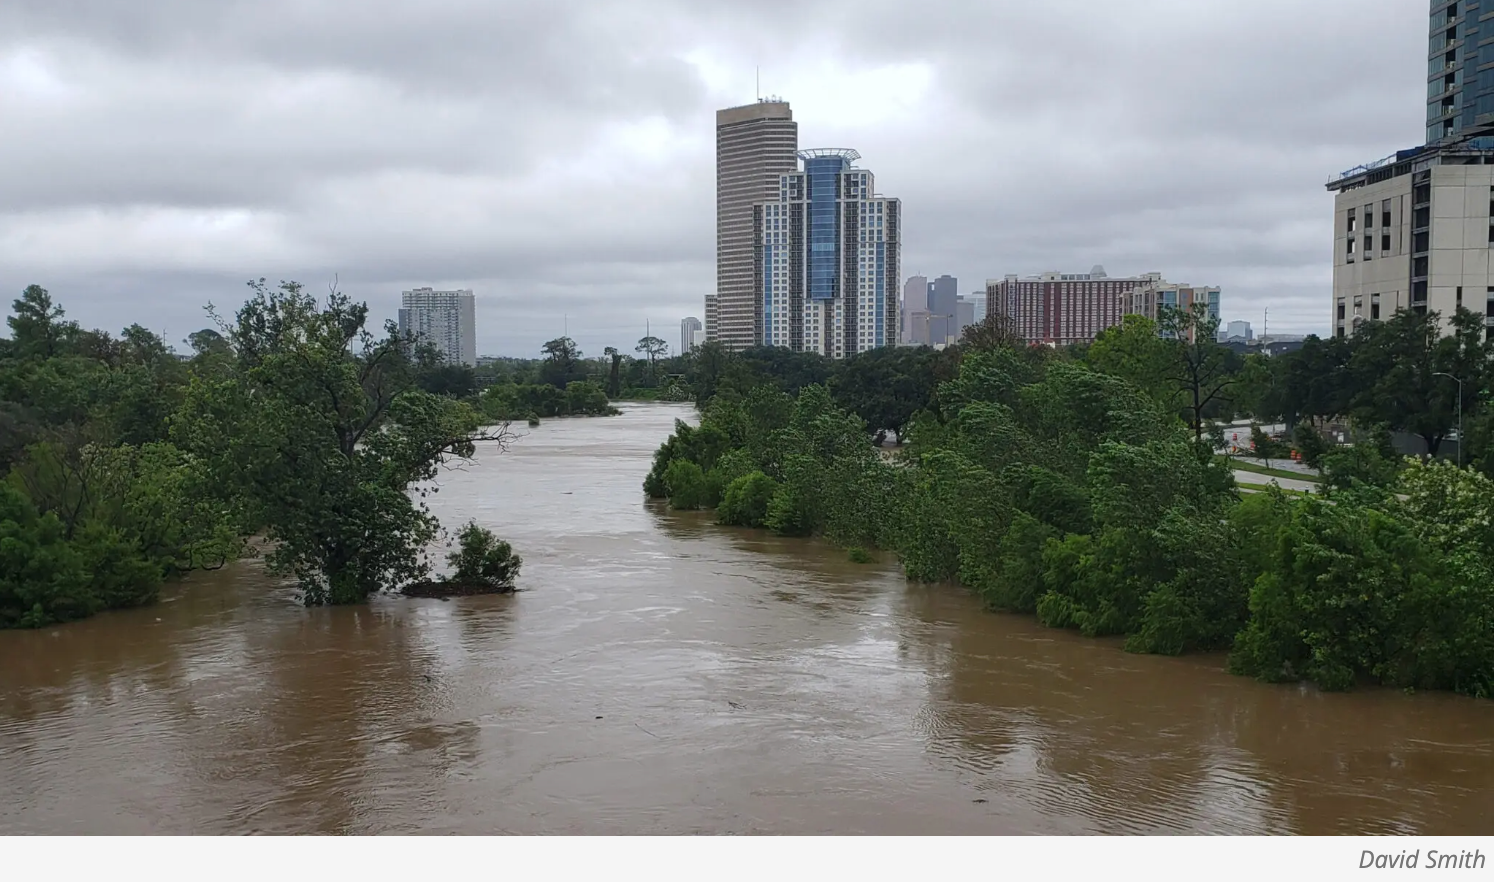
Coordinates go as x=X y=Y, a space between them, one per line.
x=1414 y=230
x=755 y=145
x=445 y=319
x=688 y=329
x=827 y=259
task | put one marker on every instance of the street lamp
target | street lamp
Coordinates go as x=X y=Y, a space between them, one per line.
x=1460 y=413
x=928 y=341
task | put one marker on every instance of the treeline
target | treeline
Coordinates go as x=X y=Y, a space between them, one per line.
x=649 y=374
x=126 y=465
x=1083 y=487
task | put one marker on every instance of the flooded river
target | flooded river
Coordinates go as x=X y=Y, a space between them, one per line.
x=664 y=675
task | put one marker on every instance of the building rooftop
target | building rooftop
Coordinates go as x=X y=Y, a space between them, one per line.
x=1474 y=151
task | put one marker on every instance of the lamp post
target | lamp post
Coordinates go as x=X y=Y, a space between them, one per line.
x=928 y=341
x=1460 y=413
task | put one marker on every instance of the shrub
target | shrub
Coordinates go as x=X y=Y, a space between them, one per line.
x=860 y=556
x=685 y=485
x=746 y=501
x=482 y=558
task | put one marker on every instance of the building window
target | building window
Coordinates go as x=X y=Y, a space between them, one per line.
x=1369 y=216
x=1369 y=247
x=1353 y=218
x=1385 y=244
x=1385 y=213
x=1341 y=308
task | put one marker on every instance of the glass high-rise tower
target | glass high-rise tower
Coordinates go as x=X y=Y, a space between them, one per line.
x=1460 y=96
x=826 y=262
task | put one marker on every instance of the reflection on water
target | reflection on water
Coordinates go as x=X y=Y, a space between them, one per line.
x=665 y=675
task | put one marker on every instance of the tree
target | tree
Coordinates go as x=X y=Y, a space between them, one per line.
x=562 y=363
x=614 y=374
x=654 y=349
x=317 y=436
x=482 y=558
x=706 y=368
x=36 y=328
x=450 y=380
x=887 y=386
x=1199 y=366
x=1135 y=352
x=995 y=331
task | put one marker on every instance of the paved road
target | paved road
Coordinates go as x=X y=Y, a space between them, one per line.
x=1252 y=478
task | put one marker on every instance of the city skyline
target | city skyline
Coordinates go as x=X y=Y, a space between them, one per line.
x=139 y=184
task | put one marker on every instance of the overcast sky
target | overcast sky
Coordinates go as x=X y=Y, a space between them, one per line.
x=558 y=157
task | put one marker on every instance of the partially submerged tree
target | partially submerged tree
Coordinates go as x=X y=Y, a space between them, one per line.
x=317 y=435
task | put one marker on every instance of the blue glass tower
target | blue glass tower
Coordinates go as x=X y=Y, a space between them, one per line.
x=826 y=259
x=1460 y=71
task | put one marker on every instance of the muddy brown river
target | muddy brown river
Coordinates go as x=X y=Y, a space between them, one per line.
x=661 y=675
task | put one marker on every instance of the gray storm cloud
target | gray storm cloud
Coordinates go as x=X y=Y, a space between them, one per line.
x=558 y=157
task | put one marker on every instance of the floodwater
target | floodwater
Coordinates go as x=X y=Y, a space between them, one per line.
x=661 y=675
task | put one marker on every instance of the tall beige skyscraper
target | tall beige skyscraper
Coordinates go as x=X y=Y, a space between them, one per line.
x=755 y=144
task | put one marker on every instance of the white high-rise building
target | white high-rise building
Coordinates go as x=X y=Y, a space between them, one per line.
x=827 y=259
x=445 y=319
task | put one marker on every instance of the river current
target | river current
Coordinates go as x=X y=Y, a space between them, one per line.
x=659 y=674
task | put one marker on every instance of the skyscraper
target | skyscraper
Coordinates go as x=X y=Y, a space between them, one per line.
x=688 y=328
x=826 y=262
x=445 y=319
x=1460 y=99
x=915 y=310
x=755 y=145
x=944 y=298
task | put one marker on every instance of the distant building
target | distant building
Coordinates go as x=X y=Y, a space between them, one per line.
x=1153 y=296
x=964 y=317
x=712 y=317
x=1240 y=331
x=1060 y=309
x=445 y=319
x=930 y=311
x=697 y=338
x=978 y=299
x=826 y=262
x=914 y=314
x=944 y=313
x=688 y=328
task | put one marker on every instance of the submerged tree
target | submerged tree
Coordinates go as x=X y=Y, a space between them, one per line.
x=316 y=436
